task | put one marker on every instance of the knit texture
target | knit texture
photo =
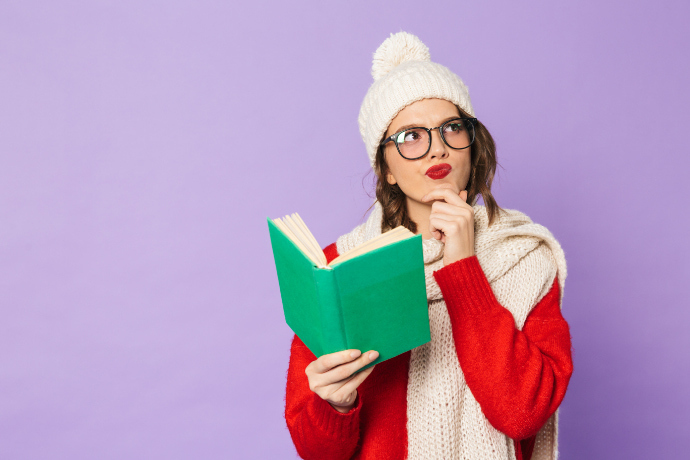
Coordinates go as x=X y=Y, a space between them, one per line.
x=521 y=260
x=403 y=73
x=519 y=377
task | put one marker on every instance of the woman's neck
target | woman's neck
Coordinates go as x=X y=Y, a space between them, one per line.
x=419 y=213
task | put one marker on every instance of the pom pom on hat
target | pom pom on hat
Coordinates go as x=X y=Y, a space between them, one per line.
x=395 y=50
x=404 y=73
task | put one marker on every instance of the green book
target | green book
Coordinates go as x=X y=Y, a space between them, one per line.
x=373 y=297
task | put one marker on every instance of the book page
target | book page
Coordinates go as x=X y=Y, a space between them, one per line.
x=296 y=230
x=315 y=244
x=379 y=241
x=304 y=240
x=397 y=234
x=301 y=234
x=281 y=225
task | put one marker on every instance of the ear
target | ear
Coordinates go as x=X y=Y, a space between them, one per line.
x=391 y=180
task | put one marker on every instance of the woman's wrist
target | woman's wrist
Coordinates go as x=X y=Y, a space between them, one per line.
x=345 y=409
x=342 y=409
x=452 y=260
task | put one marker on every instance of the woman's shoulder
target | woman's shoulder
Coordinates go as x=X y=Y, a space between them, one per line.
x=510 y=223
x=514 y=241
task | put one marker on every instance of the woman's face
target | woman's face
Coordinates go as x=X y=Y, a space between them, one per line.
x=410 y=175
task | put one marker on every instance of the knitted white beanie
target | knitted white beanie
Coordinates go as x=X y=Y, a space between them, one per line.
x=403 y=73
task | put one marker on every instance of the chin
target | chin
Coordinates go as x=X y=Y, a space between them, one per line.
x=448 y=181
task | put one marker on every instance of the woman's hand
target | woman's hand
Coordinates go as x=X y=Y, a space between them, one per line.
x=330 y=377
x=451 y=221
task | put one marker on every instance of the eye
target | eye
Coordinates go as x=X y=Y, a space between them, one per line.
x=408 y=136
x=454 y=128
x=411 y=136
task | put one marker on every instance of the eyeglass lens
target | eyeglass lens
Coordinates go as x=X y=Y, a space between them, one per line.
x=415 y=142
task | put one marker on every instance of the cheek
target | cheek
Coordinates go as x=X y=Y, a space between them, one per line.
x=410 y=181
x=397 y=169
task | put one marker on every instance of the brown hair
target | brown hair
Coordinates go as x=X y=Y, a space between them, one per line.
x=483 y=168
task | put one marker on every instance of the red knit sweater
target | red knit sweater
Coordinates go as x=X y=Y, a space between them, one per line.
x=519 y=378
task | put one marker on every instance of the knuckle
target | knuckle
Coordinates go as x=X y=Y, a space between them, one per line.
x=341 y=400
x=328 y=395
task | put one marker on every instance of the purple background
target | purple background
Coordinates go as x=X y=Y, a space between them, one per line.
x=144 y=144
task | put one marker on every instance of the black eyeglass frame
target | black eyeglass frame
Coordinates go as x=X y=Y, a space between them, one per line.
x=393 y=137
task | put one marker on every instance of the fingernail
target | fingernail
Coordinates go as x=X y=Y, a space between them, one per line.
x=354 y=354
x=373 y=355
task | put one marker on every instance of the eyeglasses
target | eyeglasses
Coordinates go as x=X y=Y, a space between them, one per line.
x=415 y=143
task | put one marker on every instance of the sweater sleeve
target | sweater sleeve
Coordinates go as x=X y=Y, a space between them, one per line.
x=518 y=377
x=317 y=429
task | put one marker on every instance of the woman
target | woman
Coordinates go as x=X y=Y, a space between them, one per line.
x=489 y=383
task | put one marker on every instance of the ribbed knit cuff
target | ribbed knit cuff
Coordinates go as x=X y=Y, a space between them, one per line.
x=464 y=282
x=330 y=420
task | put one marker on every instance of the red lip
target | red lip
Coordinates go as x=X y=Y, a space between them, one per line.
x=439 y=171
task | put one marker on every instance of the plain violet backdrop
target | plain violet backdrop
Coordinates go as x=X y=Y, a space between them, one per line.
x=143 y=144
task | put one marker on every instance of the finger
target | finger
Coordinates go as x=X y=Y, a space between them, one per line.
x=343 y=372
x=447 y=211
x=450 y=225
x=435 y=229
x=444 y=194
x=447 y=227
x=352 y=384
x=446 y=217
x=327 y=362
x=442 y=207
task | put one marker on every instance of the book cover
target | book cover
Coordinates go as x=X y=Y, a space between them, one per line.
x=375 y=301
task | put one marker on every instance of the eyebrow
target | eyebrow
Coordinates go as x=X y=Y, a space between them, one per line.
x=402 y=128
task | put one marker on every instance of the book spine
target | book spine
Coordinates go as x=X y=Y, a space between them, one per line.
x=331 y=314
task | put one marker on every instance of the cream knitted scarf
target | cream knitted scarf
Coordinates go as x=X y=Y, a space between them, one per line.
x=520 y=260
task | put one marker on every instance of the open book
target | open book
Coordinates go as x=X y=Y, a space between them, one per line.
x=294 y=228
x=372 y=297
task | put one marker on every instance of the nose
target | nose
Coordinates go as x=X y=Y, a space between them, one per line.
x=438 y=148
